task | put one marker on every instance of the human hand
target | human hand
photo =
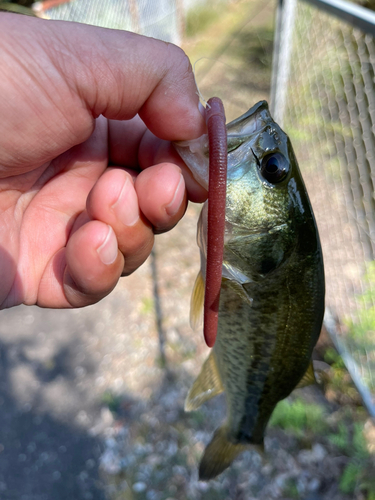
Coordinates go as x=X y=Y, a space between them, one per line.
x=83 y=110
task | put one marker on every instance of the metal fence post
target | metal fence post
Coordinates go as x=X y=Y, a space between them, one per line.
x=276 y=54
x=283 y=42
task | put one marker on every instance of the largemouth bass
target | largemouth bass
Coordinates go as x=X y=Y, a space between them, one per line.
x=272 y=294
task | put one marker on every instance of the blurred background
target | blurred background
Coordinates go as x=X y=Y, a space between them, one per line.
x=91 y=400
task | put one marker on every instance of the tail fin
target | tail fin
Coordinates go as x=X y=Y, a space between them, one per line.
x=218 y=455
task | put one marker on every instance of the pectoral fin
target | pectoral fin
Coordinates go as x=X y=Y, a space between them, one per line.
x=308 y=378
x=207 y=385
x=239 y=290
x=197 y=302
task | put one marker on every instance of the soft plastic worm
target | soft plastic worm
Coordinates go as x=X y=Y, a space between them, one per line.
x=217 y=184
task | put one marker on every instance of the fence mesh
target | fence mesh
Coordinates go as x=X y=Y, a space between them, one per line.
x=161 y=19
x=329 y=114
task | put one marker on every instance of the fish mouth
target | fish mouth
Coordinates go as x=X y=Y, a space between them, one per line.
x=195 y=152
x=252 y=121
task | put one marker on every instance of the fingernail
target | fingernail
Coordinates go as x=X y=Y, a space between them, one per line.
x=173 y=207
x=108 y=249
x=126 y=207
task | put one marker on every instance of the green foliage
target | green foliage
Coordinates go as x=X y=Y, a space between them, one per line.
x=299 y=417
x=341 y=437
x=332 y=357
x=361 y=330
x=358 y=476
x=349 y=478
x=338 y=381
x=350 y=440
x=359 y=442
x=357 y=473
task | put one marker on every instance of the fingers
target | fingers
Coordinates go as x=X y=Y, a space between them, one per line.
x=114 y=236
x=121 y=237
x=162 y=195
x=93 y=264
x=153 y=150
x=133 y=146
x=113 y=200
x=153 y=204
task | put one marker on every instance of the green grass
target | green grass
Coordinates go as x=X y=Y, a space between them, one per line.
x=298 y=417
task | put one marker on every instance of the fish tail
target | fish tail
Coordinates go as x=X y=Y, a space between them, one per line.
x=220 y=453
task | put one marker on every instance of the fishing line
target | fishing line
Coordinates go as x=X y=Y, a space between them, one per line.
x=198 y=92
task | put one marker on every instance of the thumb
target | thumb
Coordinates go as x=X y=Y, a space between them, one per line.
x=66 y=74
x=119 y=74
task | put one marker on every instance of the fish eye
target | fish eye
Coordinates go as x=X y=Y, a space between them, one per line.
x=274 y=167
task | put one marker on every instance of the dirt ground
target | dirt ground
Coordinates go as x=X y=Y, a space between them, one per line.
x=91 y=401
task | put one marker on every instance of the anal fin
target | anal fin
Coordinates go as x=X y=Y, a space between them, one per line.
x=207 y=385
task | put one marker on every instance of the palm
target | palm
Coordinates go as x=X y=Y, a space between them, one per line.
x=47 y=205
x=70 y=104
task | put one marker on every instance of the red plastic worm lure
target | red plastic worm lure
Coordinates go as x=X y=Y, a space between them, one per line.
x=217 y=185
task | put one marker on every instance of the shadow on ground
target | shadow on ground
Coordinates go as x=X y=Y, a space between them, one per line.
x=42 y=456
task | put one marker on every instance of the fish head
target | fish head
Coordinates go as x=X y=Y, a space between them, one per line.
x=268 y=213
x=267 y=206
x=263 y=174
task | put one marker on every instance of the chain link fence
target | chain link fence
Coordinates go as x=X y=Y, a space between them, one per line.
x=162 y=19
x=323 y=95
